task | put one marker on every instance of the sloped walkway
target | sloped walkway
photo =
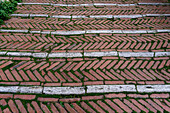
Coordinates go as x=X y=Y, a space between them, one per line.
x=86 y=56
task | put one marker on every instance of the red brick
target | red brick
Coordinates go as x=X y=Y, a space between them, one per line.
x=25 y=97
x=137 y=96
x=72 y=84
x=159 y=95
x=155 y=82
x=94 y=83
x=92 y=97
x=30 y=83
x=52 y=84
x=121 y=95
x=10 y=83
x=114 y=82
x=3 y=102
x=6 y=95
x=47 y=99
x=69 y=99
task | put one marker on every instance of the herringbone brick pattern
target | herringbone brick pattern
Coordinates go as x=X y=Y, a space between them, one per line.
x=20 y=70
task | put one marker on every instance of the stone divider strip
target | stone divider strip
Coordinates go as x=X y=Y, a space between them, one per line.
x=88 y=32
x=85 y=54
x=93 y=4
x=85 y=89
x=91 y=16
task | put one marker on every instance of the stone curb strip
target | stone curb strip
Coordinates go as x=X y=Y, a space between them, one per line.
x=93 y=4
x=85 y=89
x=89 y=32
x=85 y=54
x=91 y=16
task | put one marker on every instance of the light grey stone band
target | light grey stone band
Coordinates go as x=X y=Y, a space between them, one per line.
x=89 y=31
x=85 y=89
x=94 y=4
x=85 y=54
x=91 y=16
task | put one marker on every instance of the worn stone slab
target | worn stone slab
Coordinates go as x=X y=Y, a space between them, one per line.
x=110 y=88
x=20 y=15
x=136 y=54
x=40 y=55
x=68 y=32
x=60 y=16
x=101 y=16
x=98 y=31
x=128 y=16
x=163 y=30
x=86 y=4
x=100 y=54
x=151 y=31
x=63 y=90
x=153 y=88
x=3 y=52
x=79 y=16
x=161 y=54
x=35 y=31
x=60 y=54
x=38 y=15
x=153 y=3
x=126 y=5
x=134 y=31
x=34 y=3
x=18 y=54
x=9 y=89
x=46 y=32
x=64 y=5
x=31 y=89
x=16 y=31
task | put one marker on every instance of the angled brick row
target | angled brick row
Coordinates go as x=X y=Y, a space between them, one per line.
x=47 y=24
x=73 y=105
x=80 y=71
x=101 y=10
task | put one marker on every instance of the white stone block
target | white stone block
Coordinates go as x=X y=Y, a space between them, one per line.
x=136 y=54
x=100 y=54
x=151 y=31
x=20 y=15
x=74 y=54
x=3 y=53
x=9 y=89
x=101 y=16
x=19 y=54
x=117 y=31
x=60 y=16
x=162 y=54
x=35 y=31
x=79 y=16
x=31 y=89
x=45 y=32
x=127 y=16
x=110 y=88
x=14 y=31
x=40 y=55
x=63 y=90
x=134 y=31
x=38 y=15
x=98 y=31
x=163 y=30
x=68 y=32
x=86 y=4
x=153 y=88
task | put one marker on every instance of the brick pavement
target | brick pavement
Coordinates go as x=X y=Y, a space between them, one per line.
x=25 y=70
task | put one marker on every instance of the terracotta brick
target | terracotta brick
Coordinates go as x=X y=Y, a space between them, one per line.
x=137 y=95
x=69 y=99
x=94 y=83
x=121 y=95
x=114 y=82
x=47 y=99
x=6 y=95
x=92 y=97
x=160 y=95
x=72 y=84
x=25 y=97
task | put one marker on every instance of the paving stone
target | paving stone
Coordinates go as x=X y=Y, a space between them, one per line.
x=64 y=90
x=40 y=55
x=60 y=16
x=79 y=16
x=38 y=15
x=100 y=54
x=136 y=54
x=98 y=31
x=153 y=88
x=21 y=15
x=9 y=89
x=51 y=55
x=134 y=31
x=163 y=30
x=153 y=3
x=31 y=89
x=68 y=32
x=128 y=16
x=3 y=53
x=35 y=31
x=17 y=31
x=101 y=16
x=158 y=54
x=110 y=88
x=19 y=54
